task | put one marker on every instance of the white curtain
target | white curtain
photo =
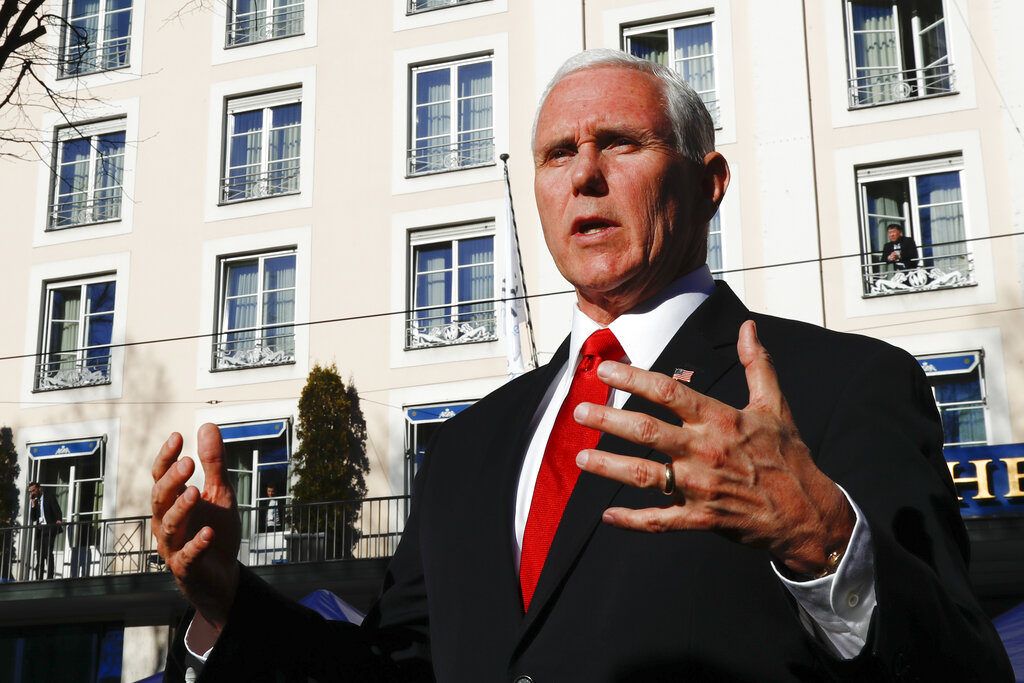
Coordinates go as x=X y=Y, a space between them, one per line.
x=66 y=306
x=109 y=170
x=73 y=183
x=285 y=143
x=942 y=220
x=245 y=154
x=476 y=144
x=242 y=286
x=82 y=36
x=876 y=58
x=476 y=277
x=279 y=305
x=694 y=60
x=433 y=288
x=287 y=17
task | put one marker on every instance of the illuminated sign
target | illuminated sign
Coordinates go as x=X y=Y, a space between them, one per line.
x=989 y=479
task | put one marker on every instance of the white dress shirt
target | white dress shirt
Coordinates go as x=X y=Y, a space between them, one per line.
x=839 y=606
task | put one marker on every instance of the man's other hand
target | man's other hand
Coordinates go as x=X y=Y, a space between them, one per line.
x=197 y=533
x=745 y=474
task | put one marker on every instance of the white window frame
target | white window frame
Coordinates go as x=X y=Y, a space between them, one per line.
x=979 y=403
x=918 y=77
x=411 y=8
x=260 y=357
x=452 y=333
x=681 y=22
x=81 y=346
x=91 y=130
x=453 y=114
x=264 y=102
x=265 y=31
x=715 y=228
x=909 y=171
x=101 y=39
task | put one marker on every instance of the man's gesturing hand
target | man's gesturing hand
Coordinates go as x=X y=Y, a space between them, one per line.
x=745 y=474
x=198 y=534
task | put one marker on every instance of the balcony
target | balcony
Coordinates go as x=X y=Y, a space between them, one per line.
x=81 y=60
x=254 y=347
x=241 y=184
x=424 y=330
x=316 y=532
x=426 y=159
x=420 y=6
x=70 y=213
x=68 y=371
x=258 y=27
x=934 y=272
x=884 y=85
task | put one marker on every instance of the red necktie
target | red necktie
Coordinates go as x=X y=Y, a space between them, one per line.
x=558 y=470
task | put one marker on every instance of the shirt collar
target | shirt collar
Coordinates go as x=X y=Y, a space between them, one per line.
x=645 y=330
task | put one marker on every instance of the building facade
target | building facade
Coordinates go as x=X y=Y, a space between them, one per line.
x=250 y=187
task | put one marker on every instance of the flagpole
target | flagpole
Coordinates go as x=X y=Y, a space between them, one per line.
x=519 y=254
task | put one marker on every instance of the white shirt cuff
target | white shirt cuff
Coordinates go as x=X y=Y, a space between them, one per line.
x=840 y=606
x=201 y=657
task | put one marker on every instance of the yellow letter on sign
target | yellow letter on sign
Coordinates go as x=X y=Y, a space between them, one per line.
x=980 y=478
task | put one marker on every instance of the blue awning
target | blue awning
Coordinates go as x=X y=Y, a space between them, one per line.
x=957 y=364
x=65 y=449
x=435 y=413
x=248 y=431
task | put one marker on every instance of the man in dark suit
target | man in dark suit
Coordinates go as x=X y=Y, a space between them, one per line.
x=47 y=522
x=662 y=501
x=900 y=251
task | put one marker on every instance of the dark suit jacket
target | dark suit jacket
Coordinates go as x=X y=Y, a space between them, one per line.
x=51 y=511
x=907 y=249
x=616 y=606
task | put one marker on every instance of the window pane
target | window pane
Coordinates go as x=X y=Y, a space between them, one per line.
x=273 y=451
x=433 y=86
x=715 y=243
x=476 y=282
x=475 y=79
x=279 y=272
x=242 y=278
x=871 y=16
x=957 y=388
x=433 y=257
x=886 y=202
x=476 y=250
x=63 y=336
x=938 y=187
x=964 y=425
x=693 y=56
x=286 y=115
x=101 y=296
x=66 y=303
x=279 y=307
x=98 y=332
x=247 y=121
x=113 y=5
x=650 y=46
x=80 y=8
x=272 y=475
x=241 y=312
x=433 y=289
x=942 y=224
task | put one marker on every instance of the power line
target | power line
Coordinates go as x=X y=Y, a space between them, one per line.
x=501 y=300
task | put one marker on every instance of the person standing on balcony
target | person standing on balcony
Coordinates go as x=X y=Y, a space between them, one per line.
x=663 y=500
x=270 y=511
x=47 y=522
x=900 y=251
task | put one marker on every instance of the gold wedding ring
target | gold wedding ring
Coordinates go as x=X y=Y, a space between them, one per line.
x=670 y=480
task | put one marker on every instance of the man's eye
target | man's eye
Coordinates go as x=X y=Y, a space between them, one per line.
x=560 y=153
x=623 y=142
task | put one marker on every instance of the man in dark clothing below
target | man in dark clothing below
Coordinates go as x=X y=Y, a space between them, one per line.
x=899 y=250
x=45 y=515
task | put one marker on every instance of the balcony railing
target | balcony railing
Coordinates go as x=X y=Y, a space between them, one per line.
x=884 y=85
x=282 y=179
x=934 y=272
x=73 y=371
x=418 y=6
x=82 y=59
x=445 y=329
x=254 y=347
x=265 y=25
x=449 y=156
x=69 y=213
x=303 y=533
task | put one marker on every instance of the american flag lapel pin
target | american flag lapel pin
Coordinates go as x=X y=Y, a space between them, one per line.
x=682 y=375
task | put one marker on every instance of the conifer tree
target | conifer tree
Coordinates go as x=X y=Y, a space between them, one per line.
x=330 y=463
x=9 y=470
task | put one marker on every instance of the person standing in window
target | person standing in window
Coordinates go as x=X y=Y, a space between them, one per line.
x=900 y=251
x=270 y=512
x=44 y=513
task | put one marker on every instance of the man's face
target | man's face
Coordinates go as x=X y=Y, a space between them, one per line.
x=33 y=492
x=623 y=212
x=894 y=235
x=271 y=492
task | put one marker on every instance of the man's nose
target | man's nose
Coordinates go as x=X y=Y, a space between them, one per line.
x=587 y=174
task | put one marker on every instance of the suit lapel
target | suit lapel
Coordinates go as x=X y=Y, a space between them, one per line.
x=706 y=343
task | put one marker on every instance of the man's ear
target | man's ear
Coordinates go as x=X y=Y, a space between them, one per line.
x=714 y=183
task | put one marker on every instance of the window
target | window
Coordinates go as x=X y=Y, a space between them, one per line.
x=687 y=45
x=88 y=170
x=421 y=424
x=452 y=286
x=76 y=335
x=416 y=6
x=715 y=259
x=958 y=383
x=925 y=199
x=898 y=50
x=258 y=456
x=256 y=312
x=262 y=148
x=97 y=36
x=254 y=21
x=452 y=116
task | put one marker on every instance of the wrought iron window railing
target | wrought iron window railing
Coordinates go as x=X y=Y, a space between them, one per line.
x=257 y=27
x=68 y=370
x=449 y=156
x=254 y=347
x=418 y=6
x=944 y=271
x=436 y=326
x=369 y=528
x=86 y=58
x=281 y=179
x=70 y=213
x=883 y=85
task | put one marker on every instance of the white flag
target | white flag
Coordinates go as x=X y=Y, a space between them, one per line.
x=512 y=290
